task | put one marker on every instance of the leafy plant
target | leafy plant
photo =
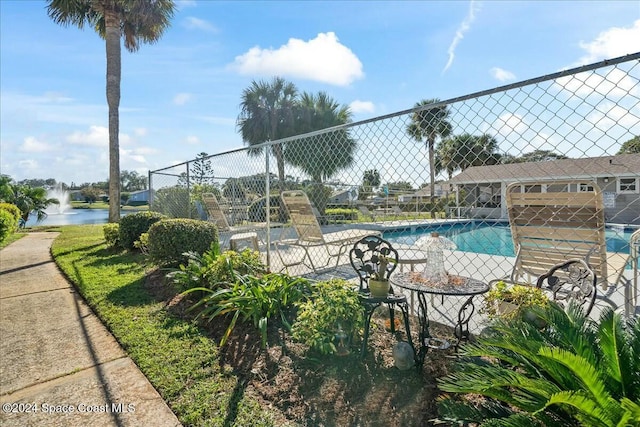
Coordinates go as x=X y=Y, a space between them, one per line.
x=573 y=372
x=111 y=233
x=332 y=305
x=252 y=298
x=213 y=268
x=134 y=224
x=522 y=297
x=170 y=239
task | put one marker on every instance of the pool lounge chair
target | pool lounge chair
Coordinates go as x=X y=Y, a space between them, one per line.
x=229 y=234
x=553 y=221
x=309 y=235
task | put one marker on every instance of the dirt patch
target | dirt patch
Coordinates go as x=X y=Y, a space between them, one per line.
x=306 y=388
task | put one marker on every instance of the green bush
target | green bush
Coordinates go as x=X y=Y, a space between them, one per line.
x=171 y=239
x=254 y=298
x=342 y=214
x=12 y=209
x=333 y=305
x=574 y=371
x=112 y=234
x=9 y=219
x=175 y=202
x=212 y=270
x=133 y=225
x=8 y=224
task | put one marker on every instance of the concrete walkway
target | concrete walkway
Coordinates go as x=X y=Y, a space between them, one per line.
x=59 y=366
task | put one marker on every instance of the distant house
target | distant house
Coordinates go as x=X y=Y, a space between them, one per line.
x=139 y=196
x=484 y=187
x=344 y=197
x=424 y=194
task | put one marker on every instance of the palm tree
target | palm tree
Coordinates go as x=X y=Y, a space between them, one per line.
x=429 y=123
x=466 y=150
x=135 y=21
x=267 y=112
x=32 y=200
x=320 y=156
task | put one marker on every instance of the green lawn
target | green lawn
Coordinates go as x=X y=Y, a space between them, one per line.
x=104 y=205
x=176 y=356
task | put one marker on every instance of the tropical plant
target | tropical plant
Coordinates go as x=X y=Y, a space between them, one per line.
x=267 y=114
x=466 y=150
x=573 y=372
x=255 y=298
x=213 y=269
x=333 y=305
x=430 y=122
x=32 y=200
x=534 y=156
x=134 y=21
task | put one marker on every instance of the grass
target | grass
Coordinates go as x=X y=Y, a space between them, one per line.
x=104 y=205
x=174 y=354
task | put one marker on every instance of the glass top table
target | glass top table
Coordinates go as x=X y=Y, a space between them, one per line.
x=457 y=286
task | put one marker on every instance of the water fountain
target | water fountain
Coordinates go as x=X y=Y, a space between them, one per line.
x=63 y=197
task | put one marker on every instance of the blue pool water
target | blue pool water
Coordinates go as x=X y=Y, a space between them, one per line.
x=492 y=238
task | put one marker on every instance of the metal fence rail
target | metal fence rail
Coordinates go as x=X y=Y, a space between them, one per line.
x=376 y=174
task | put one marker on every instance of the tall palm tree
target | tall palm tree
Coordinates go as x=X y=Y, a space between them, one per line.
x=267 y=114
x=320 y=156
x=429 y=123
x=134 y=21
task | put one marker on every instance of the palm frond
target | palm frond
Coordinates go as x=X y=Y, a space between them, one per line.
x=616 y=351
x=589 y=410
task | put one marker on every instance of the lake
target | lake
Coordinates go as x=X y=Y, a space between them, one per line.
x=73 y=217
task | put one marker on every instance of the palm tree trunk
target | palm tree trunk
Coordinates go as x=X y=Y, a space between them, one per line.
x=112 y=38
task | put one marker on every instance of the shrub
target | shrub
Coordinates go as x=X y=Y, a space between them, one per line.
x=573 y=372
x=8 y=224
x=112 y=234
x=333 y=305
x=520 y=297
x=12 y=209
x=211 y=269
x=133 y=225
x=171 y=239
x=253 y=298
x=342 y=214
x=174 y=202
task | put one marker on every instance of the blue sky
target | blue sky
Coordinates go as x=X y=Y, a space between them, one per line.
x=181 y=96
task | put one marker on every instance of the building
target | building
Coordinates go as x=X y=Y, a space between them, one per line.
x=481 y=189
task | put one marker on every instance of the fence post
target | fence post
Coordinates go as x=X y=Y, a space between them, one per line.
x=150 y=186
x=268 y=206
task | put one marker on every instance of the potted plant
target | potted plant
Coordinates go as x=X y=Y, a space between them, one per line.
x=509 y=300
x=379 y=278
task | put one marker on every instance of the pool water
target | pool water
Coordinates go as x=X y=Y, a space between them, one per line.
x=492 y=239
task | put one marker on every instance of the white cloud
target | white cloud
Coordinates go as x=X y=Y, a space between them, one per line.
x=193 y=23
x=182 y=98
x=322 y=59
x=616 y=83
x=465 y=26
x=98 y=136
x=192 y=140
x=501 y=74
x=611 y=43
x=358 y=106
x=32 y=145
x=140 y=132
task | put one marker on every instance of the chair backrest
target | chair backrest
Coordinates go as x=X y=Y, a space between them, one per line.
x=365 y=258
x=300 y=212
x=571 y=281
x=553 y=221
x=214 y=211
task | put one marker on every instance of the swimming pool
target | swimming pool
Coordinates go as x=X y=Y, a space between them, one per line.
x=491 y=238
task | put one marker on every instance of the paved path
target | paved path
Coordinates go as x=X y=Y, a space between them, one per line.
x=59 y=366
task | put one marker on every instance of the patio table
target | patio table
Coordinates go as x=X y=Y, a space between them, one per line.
x=458 y=286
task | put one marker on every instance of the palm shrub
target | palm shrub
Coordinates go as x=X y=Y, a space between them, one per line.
x=252 y=298
x=573 y=372
x=332 y=306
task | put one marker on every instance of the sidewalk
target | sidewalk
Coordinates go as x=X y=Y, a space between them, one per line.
x=59 y=366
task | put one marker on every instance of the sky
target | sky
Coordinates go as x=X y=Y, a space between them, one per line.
x=181 y=96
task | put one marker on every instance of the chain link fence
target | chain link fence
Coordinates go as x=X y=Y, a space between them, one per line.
x=442 y=167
